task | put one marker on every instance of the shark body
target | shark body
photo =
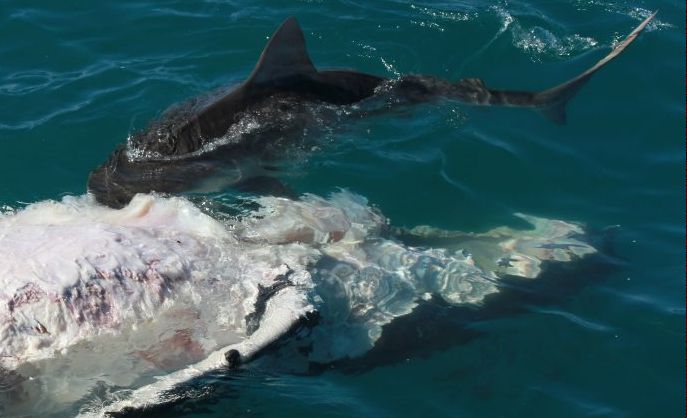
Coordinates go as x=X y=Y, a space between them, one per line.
x=237 y=137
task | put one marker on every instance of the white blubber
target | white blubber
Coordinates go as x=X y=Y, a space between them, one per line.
x=154 y=294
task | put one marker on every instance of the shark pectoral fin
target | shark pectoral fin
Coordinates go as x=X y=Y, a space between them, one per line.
x=284 y=56
x=551 y=103
x=282 y=318
x=555 y=112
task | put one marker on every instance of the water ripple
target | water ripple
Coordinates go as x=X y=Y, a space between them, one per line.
x=655 y=304
x=575 y=319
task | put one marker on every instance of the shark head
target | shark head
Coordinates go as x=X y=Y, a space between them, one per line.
x=257 y=120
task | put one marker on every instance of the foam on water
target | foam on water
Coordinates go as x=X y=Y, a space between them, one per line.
x=541 y=42
x=537 y=41
x=635 y=12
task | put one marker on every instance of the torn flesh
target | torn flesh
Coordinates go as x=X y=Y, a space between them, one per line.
x=157 y=293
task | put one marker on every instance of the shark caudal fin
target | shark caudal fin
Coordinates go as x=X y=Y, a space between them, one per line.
x=551 y=103
x=284 y=56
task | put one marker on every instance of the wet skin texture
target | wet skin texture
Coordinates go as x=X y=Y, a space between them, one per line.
x=180 y=151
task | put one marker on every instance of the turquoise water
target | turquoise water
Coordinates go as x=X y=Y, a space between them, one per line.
x=77 y=77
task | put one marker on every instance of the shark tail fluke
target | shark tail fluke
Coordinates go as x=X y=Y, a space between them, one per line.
x=551 y=103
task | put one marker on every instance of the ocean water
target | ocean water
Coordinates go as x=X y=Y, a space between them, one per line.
x=77 y=77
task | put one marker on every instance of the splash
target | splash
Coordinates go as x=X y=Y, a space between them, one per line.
x=452 y=15
x=539 y=42
x=634 y=12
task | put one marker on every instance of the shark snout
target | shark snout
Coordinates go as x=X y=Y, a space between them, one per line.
x=106 y=191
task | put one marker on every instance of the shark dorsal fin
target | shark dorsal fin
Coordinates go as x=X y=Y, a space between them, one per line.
x=284 y=56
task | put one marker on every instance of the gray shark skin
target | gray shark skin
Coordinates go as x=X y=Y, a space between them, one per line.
x=179 y=151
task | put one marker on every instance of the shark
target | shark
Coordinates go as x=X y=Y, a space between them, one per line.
x=148 y=292
x=234 y=139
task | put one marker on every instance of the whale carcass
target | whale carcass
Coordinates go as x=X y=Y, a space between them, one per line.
x=160 y=292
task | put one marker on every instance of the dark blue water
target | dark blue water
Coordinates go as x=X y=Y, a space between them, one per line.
x=76 y=77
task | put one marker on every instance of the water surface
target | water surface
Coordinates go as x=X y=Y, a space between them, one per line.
x=77 y=77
